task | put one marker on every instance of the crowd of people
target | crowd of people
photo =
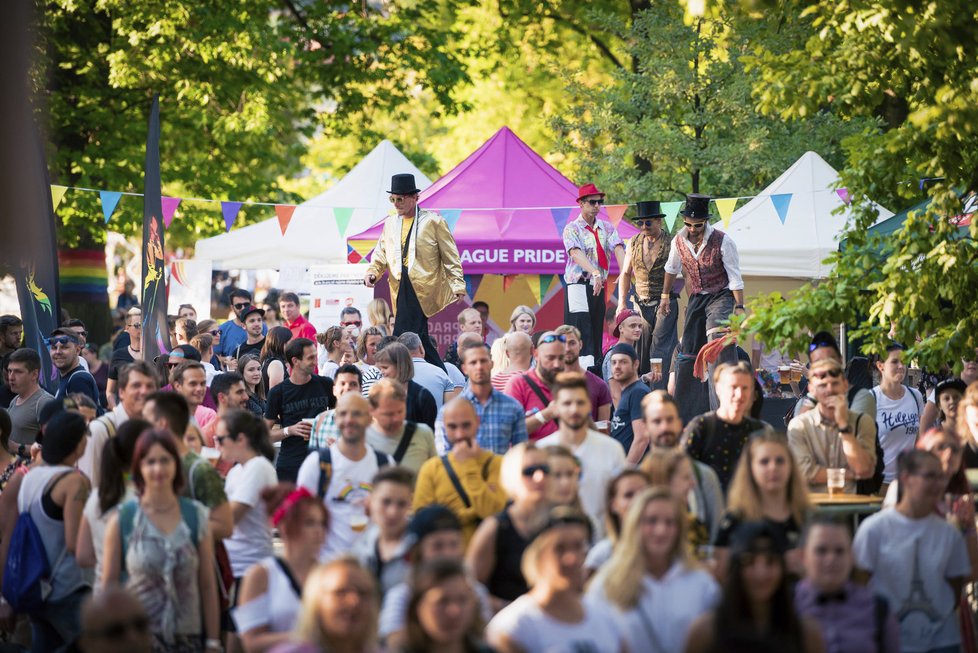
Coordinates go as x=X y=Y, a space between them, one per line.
x=275 y=487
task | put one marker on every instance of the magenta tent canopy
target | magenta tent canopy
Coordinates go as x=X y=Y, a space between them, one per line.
x=507 y=209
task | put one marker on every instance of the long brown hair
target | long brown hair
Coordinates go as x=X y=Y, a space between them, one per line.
x=744 y=498
x=424 y=579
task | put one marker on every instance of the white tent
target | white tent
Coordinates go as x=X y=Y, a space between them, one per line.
x=313 y=236
x=810 y=231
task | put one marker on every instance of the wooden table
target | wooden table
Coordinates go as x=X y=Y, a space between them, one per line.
x=846 y=505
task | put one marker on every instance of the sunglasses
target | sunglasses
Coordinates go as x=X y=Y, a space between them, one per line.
x=594 y=202
x=134 y=326
x=395 y=198
x=215 y=332
x=531 y=470
x=219 y=439
x=695 y=225
x=356 y=324
x=646 y=223
x=555 y=337
x=833 y=373
x=820 y=343
x=61 y=340
x=239 y=307
x=118 y=629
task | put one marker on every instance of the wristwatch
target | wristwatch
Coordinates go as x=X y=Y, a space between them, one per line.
x=845 y=429
x=740 y=306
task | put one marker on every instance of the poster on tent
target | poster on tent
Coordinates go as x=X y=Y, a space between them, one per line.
x=334 y=287
x=190 y=283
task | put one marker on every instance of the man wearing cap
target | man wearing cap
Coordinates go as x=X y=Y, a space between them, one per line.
x=65 y=347
x=233 y=331
x=645 y=262
x=710 y=266
x=589 y=243
x=254 y=323
x=627 y=424
x=418 y=251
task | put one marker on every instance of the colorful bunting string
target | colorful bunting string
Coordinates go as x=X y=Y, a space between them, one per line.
x=671 y=209
x=343 y=217
x=110 y=199
x=560 y=216
x=843 y=194
x=451 y=217
x=57 y=194
x=230 y=212
x=615 y=213
x=170 y=205
x=781 y=203
x=508 y=280
x=725 y=207
x=284 y=213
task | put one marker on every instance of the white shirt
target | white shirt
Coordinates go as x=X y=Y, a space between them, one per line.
x=97 y=524
x=728 y=254
x=899 y=423
x=278 y=608
x=910 y=561
x=668 y=605
x=346 y=498
x=251 y=540
x=602 y=457
x=90 y=463
x=525 y=624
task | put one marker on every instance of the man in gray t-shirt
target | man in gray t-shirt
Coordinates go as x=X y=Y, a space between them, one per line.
x=23 y=370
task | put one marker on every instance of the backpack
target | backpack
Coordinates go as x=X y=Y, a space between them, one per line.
x=127 y=516
x=27 y=574
x=326 y=468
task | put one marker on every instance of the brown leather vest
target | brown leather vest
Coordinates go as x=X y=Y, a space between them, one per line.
x=705 y=274
x=649 y=279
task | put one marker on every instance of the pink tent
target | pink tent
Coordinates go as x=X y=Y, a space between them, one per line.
x=507 y=208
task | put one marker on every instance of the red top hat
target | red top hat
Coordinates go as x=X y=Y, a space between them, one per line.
x=588 y=189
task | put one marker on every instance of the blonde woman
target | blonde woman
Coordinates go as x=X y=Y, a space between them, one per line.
x=768 y=487
x=499 y=542
x=339 y=610
x=521 y=320
x=673 y=468
x=379 y=315
x=651 y=581
x=619 y=495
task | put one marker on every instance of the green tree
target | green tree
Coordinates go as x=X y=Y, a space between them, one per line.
x=913 y=68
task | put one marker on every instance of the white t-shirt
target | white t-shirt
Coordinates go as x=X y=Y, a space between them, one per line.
x=97 y=524
x=525 y=624
x=251 y=540
x=599 y=554
x=602 y=457
x=910 y=560
x=899 y=423
x=350 y=485
x=668 y=606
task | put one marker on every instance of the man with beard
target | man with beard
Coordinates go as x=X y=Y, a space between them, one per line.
x=254 y=323
x=532 y=390
x=663 y=426
x=626 y=425
x=597 y=389
x=233 y=331
x=600 y=456
x=65 y=349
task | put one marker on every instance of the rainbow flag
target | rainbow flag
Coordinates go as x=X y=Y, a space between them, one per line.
x=84 y=277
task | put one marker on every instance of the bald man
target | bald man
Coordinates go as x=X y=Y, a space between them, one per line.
x=478 y=493
x=519 y=350
x=114 y=621
x=344 y=482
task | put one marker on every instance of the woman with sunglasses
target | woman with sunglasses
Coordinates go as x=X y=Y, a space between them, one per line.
x=499 y=542
x=210 y=327
x=272 y=357
x=897 y=410
x=916 y=559
x=651 y=580
x=553 y=616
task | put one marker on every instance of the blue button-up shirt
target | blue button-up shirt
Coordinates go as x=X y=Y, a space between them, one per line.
x=501 y=423
x=577 y=236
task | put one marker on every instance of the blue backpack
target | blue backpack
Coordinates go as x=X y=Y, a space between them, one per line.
x=27 y=575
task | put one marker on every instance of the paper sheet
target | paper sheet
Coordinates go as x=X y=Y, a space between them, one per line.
x=577 y=297
x=586 y=361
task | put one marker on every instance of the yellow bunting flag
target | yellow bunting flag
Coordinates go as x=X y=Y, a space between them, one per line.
x=362 y=247
x=57 y=194
x=725 y=207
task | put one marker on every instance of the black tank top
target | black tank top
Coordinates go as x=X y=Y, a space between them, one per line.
x=264 y=371
x=506 y=580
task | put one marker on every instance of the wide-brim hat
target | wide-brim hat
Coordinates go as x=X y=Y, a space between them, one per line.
x=697 y=207
x=403 y=184
x=624 y=315
x=587 y=190
x=648 y=209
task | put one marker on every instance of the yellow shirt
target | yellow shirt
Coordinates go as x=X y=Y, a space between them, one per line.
x=406 y=224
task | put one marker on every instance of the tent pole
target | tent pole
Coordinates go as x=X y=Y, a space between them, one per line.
x=843 y=345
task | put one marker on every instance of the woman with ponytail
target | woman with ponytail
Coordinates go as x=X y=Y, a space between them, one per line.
x=270 y=594
x=114 y=488
x=243 y=441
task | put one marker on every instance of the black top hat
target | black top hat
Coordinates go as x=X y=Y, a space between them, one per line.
x=403 y=184
x=649 y=209
x=697 y=207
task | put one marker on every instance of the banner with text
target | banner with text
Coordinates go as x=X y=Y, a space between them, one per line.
x=334 y=287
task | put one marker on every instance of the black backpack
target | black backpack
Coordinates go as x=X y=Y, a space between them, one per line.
x=326 y=468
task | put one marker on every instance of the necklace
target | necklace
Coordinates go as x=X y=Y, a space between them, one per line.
x=157 y=510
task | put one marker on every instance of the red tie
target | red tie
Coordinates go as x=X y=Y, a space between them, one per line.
x=602 y=256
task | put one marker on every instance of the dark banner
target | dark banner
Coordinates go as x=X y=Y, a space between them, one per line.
x=156 y=332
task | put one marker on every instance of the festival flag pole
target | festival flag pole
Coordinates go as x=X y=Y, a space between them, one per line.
x=156 y=331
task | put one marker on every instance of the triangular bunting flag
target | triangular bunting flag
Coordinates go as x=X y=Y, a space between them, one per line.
x=284 y=213
x=352 y=255
x=170 y=205
x=725 y=207
x=615 y=213
x=472 y=282
x=343 y=217
x=362 y=247
x=843 y=194
x=57 y=194
x=560 y=217
x=781 y=203
x=110 y=199
x=451 y=217
x=671 y=209
x=545 y=281
x=230 y=212
x=508 y=280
